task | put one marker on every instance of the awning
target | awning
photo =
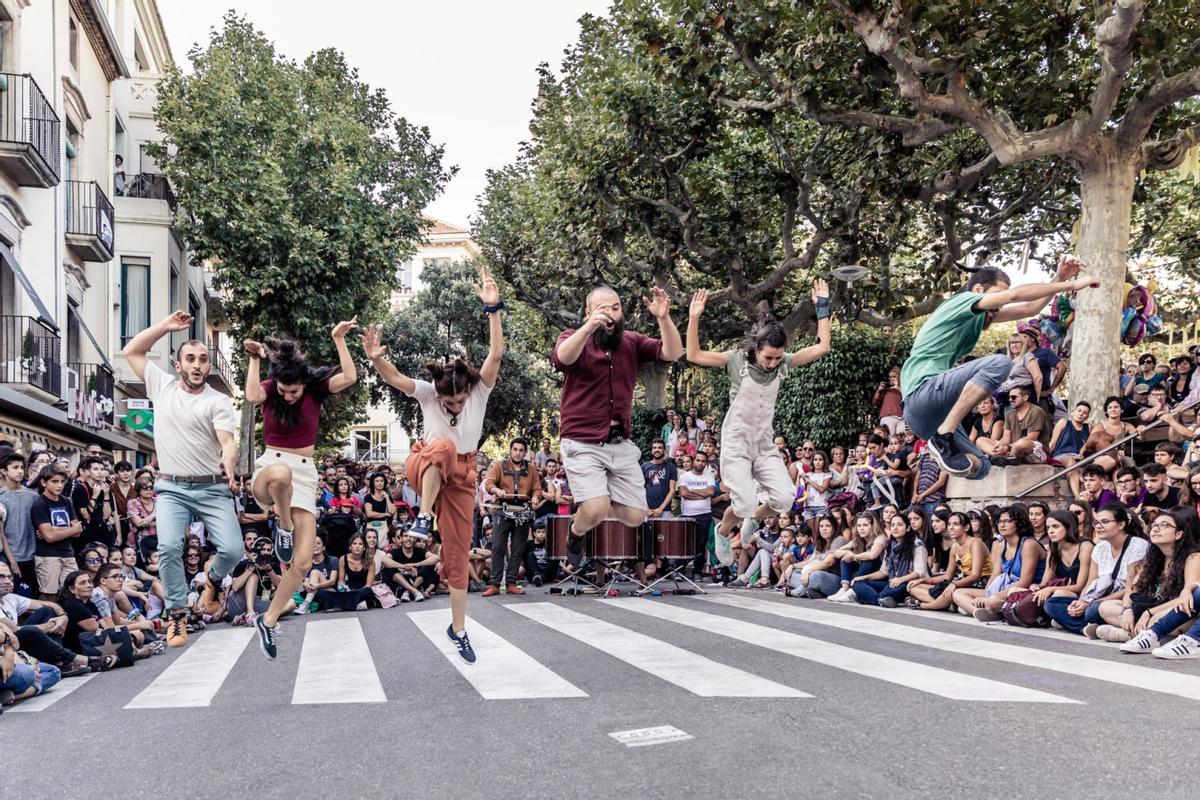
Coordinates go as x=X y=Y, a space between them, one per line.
x=99 y=350
x=36 y=421
x=10 y=259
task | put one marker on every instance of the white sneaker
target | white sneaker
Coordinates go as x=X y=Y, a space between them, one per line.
x=1179 y=647
x=837 y=596
x=303 y=608
x=845 y=596
x=361 y=606
x=1144 y=642
x=417 y=597
x=1111 y=633
x=406 y=596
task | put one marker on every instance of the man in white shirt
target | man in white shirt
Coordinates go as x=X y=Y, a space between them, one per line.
x=197 y=455
x=696 y=488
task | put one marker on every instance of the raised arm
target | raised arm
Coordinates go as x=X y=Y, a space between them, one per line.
x=255 y=354
x=489 y=295
x=137 y=348
x=372 y=340
x=1027 y=301
x=701 y=358
x=348 y=375
x=660 y=306
x=820 y=298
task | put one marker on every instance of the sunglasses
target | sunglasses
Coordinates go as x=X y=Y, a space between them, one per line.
x=94 y=560
x=1144 y=363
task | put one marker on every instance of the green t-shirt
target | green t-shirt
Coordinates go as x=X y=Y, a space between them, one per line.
x=950 y=334
x=735 y=359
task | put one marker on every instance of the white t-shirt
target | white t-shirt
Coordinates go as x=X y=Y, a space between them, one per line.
x=186 y=425
x=465 y=435
x=12 y=606
x=814 y=498
x=1135 y=550
x=698 y=483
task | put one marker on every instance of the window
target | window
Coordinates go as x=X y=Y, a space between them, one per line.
x=139 y=54
x=173 y=288
x=405 y=274
x=135 y=297
x=370 y=444
x=73 y=332
x=196 y=330
x=73 y=42
x=8 y=291
x=436 y=263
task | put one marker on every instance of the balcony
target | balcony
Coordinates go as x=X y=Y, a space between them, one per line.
x=90 y=394
x=29 y=133
x=221 y=377
x=89 y=221
x=29 y=351
x=149 y=186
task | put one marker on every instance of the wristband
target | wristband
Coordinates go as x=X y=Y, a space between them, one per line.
x=822 y=306
x=493 y=309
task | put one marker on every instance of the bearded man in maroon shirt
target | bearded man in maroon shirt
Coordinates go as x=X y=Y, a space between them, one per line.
x=599 y=361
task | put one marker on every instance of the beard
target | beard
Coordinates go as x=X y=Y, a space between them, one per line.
x=610 y=341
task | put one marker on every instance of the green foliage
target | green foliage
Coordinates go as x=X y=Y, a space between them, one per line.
x=829 y=400
x=444 y=319
x=301 y=185
x=647 y=426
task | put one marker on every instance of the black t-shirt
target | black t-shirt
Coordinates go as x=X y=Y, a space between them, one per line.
x=251 y=506
x=58 y=513
x=94 y=529
x=1170 y=501
x=77 y=610
x=658 y=479
x=418 y=555
x=378 y=506
x=264 y=578
x=328 y=567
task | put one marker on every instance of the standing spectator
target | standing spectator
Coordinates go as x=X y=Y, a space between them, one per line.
x=122 y=491
x=816 y=487
x=887 y=400
x=1067 y=441
x=18 y=502
x=1052 y=368
x=143 y=518
x=1147 y=374
x=696 y=490
x=378 y=506
x=56 y=525
x=543 y=455
x=90 y=498
x=661 y=477
x=1024 y=372
x=515 y=485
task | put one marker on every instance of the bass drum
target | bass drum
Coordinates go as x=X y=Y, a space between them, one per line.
x=613 y=540
x=558 y=531
x=674 y=538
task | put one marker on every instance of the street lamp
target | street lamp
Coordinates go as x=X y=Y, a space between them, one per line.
x=852 y=302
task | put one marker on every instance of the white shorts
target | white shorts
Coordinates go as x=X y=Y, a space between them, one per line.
x=605 y=470
x=304 y=478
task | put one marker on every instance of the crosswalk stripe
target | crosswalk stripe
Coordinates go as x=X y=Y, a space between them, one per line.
x=195 y=677
x=1121 y=672
x=933 y=680
x=503 y=671
x=687 y=670
x=56 y=693
x=336 y=665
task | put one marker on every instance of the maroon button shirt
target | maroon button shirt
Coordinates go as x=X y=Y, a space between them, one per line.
x=598 y=387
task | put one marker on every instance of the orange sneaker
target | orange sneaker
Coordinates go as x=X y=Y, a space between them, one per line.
x=491 y=591
x=514 y=589
x=177 y=630
x=213 y=596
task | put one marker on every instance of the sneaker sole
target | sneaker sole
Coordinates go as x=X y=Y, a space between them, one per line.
x=937 y=456
x=1173 y=657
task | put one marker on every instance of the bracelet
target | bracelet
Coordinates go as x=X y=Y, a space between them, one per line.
x=493 y=309
x=822 y=306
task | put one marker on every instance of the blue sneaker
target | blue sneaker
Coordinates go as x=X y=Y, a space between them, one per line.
x=266 y=638
x=283 y=544
x=422 y=527
x=462 y=643
x=945 y=451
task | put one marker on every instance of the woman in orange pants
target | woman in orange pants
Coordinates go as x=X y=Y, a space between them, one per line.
x=453 y=404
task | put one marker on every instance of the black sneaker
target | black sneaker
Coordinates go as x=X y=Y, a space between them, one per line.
x=422 y=528
x=283 y=545
x=462 y=643
x=574 y=544
x=945 y=451
x=266 y=637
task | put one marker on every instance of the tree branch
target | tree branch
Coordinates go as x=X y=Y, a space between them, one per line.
x=1114 y=39
x=1139 y=118
x=1170 y=153
x=919 y=309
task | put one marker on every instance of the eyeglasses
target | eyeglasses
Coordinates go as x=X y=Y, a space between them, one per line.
x=94 y=560
x=1104 y=522
x=1144 y=363
x=1014 y=395
x=117 y=577
x=1003 y=521
x=192 y=555
x=1163 y=525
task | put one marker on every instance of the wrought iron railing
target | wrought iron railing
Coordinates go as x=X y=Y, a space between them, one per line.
x=29 y=353
x=150 y=186
x=89 y=212
x=99 y=379
x=27 y=117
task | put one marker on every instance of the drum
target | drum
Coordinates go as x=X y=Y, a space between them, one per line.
x=558 y=529
x=613 y=540
x=674 y=538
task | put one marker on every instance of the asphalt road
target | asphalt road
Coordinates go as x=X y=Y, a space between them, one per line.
x=768 y=697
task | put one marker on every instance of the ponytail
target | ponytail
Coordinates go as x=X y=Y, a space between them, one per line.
x=451 y=378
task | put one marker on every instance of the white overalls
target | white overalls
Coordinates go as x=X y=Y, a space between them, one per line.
x=748 y=451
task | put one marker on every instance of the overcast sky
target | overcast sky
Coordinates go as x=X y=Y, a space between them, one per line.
x=463 y=68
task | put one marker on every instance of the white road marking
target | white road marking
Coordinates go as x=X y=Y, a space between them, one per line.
x=336 y=665
x=1125 y=672
x=642 y=737
x=195 y=677
x=922 y=677
x=687 y=670
x=56 y=693
x=502 y=671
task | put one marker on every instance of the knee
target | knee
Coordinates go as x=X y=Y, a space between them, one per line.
x=995 y=369
x=277 y=473
x=780 y=501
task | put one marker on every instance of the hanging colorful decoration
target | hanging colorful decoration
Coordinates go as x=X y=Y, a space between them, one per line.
x=1139 y=318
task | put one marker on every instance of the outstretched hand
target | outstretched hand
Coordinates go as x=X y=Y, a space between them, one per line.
x=487 y=288
x=699 y=302
x=820 y=289
x=342 y=328
x=254 y=348
x=372 y=341
x=1068 y=267
x=658 y=302
x=178 y=321
x=1085 y=282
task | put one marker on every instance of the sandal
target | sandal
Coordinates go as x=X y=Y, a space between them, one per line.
x=101 y=663
x=762 y=583
x=74 y=672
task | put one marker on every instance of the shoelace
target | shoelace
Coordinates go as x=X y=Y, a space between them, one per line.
x=176 y=626
x=285 y=538
x=271 y=633
x=464 y=644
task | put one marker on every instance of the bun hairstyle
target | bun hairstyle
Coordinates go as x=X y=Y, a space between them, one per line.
x=288 y=365
x=452 y=377
x=766 y=331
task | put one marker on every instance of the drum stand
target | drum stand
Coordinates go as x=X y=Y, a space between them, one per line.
x=676 y=575
x=574 y=578
x=616 y=574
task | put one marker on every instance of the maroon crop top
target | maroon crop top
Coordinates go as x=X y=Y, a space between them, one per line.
x=304 y=433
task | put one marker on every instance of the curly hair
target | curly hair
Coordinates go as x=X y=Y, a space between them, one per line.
x=1020 y=518
x=289 y=366
x=1161 y=577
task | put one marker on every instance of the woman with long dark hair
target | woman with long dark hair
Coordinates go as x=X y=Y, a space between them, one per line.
x=453 y=403
x=1017 y=560
x=905 y=560
x=1184 y=609
x=968 y=566
x=748 y=451
x=284 y=475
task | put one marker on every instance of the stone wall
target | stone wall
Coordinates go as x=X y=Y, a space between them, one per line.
x=1002 y=485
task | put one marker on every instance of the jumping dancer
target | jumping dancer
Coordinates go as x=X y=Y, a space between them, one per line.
x=748 y=450
x=599 y=361
x=443 y=463
x=284 y=475
x=193 y=434
x=937 y=395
